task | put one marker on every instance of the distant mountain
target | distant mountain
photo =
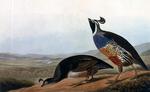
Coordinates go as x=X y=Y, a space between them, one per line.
x=95 y=53
x=143 y=47
x=146 y=53
x=8 y=56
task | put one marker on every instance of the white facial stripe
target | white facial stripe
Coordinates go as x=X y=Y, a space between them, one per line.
x=95 y=30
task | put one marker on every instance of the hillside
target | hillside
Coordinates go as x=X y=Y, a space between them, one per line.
x=146 y=53
x=103 y=83
x=143 y=47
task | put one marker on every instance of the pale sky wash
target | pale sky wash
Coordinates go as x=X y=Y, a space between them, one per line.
x=61 y=26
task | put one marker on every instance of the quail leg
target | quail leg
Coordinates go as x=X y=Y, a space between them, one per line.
x=120 y=68
x=134 y=70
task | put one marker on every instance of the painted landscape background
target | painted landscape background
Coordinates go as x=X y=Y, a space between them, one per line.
x=35 y=35
x=25 y=70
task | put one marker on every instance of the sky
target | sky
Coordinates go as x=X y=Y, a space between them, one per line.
x=61 y=26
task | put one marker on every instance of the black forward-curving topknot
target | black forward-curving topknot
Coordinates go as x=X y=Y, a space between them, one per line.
x=102 y=20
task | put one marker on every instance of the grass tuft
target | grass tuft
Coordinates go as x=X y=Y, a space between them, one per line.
x=141 y=83
x=7 y=84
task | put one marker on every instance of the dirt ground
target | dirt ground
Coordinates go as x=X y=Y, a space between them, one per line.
x=75 y=85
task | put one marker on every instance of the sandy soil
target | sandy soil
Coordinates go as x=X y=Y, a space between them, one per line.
x=74 y=85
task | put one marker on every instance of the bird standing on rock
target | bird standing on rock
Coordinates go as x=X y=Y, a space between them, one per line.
x=115 y=47
x=77 y=63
